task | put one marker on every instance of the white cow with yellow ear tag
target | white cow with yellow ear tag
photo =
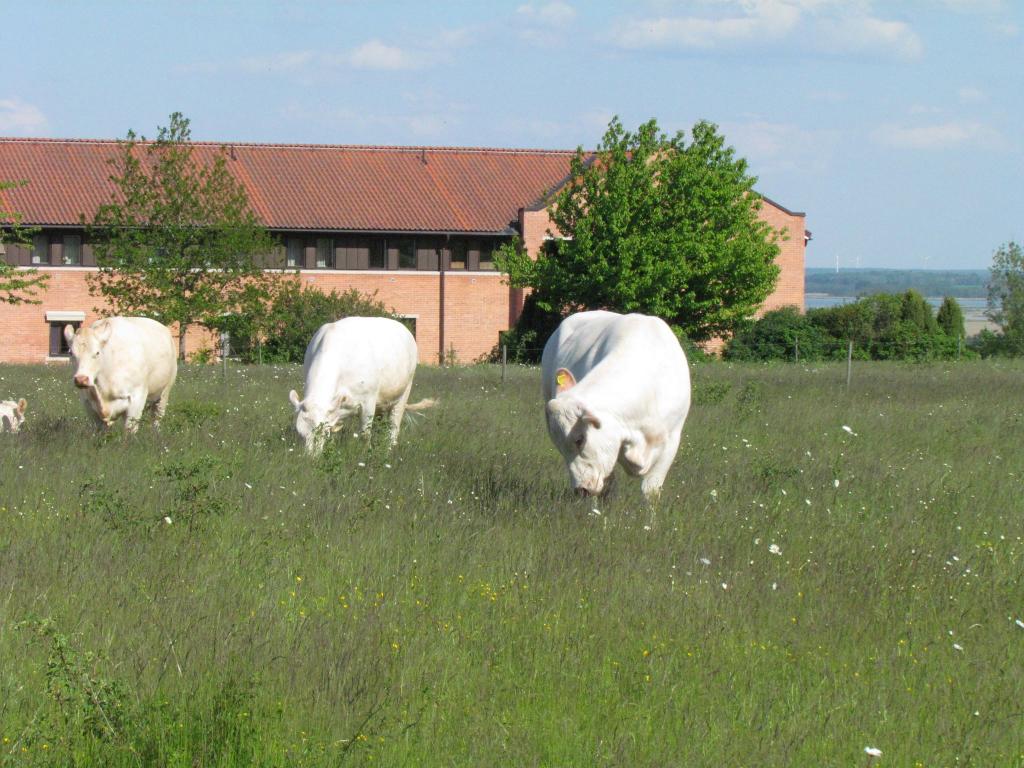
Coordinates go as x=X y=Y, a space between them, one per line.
x=617 y=389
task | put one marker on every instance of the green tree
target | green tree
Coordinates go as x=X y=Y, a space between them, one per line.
x=655 y=224
x=1006 y=296
x=776 y=336
x=17 y=286
x=280 y=331
x=916 y=310
x=178 y=241
x=951 y=318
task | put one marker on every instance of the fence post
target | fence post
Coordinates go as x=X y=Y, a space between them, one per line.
x=849 y=363
x=796 y=342
x=959 y=341
x=504 y=361
x=225 y=350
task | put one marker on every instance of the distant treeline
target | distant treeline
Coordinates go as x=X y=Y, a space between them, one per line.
x=963 y=283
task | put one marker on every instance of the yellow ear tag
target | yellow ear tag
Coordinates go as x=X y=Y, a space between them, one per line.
x=561 y=378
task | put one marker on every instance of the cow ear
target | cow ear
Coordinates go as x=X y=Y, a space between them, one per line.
x=293 y=398
x=564 y=380
x=69 y=333
x=590 y=419
x=342 y=398
x=102 y=330
x=22 y=405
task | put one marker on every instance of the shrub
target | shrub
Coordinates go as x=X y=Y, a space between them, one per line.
x=951 y=318
x=774 y=337
x=280 y=335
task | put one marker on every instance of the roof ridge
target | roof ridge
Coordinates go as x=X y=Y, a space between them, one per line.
x=292 y=145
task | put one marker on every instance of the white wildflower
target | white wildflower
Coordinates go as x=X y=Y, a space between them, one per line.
x=1019 y=623
x=705 y=561
x=957 y=646
x=849 y=430
x=167 y=520
x=835 y=483
x=871 y=751
x=775 y=549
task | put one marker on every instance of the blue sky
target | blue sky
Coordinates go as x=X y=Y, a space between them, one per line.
x=897 y=126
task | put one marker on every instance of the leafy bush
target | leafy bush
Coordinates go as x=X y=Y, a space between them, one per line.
x=296 y=311
x=775 y=336
x=951 y=318
x=882 y=327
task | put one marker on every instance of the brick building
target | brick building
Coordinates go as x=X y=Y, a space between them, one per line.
x=416 y=225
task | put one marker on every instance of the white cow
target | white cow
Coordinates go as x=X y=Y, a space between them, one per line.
x=357 y=364
x=12 y=414
x=122 y=364
x=618 y=390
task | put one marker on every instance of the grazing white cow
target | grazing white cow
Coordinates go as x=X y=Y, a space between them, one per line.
x=122 y=364
x=618 y=390
x=357 y=364
x=12 y=414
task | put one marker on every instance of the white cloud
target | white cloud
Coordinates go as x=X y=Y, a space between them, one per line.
x=953 y=133
x=839 y=26
x=375 y=54
x=856 y=34
x=1009 y=29
x=544 y=23
x=555 y=13
x=19 y=118
x=772 y=147
x=755 y=21
x=971 y=95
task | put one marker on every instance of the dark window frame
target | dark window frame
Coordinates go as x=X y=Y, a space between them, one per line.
x=59 y=347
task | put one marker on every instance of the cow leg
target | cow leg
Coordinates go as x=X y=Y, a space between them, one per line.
x=397 y=413
x=366 y=412
x=136 y=405
x=655 y=477
x=160 y=407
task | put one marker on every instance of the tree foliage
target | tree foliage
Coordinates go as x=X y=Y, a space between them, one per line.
x=178 y=241
x=17 y=286
x=950 y=318
x=280 y=331
x=655 y=224
x=1006 y=296
x=884 y=326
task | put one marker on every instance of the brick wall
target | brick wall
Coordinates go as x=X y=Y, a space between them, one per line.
x=477 y=307
x=477 y=304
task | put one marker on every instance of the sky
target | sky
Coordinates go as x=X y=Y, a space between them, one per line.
x=896 y=126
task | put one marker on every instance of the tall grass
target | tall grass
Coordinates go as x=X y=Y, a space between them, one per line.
x=207 y=595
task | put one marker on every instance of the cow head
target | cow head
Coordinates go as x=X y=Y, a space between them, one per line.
x=314 y=421
x=12 y=414
x=87 y=350
x=589 y=443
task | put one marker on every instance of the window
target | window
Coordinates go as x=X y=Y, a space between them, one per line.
x=40 y=249
x=377 y=258
x=457 y=257
x=487 y=255
x=324 y=253
x=401 y=253
x=409 y=321
x=58 y=344
x=72 y=251
x=295 y=253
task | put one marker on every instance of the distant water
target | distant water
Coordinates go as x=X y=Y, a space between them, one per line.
x=817 y=300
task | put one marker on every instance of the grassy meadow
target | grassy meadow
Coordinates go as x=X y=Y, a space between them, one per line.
x=827 y=571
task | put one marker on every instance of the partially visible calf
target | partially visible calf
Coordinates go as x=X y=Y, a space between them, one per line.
x=12 y=414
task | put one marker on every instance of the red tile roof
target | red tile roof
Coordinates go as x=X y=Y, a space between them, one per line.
x=313 y=187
